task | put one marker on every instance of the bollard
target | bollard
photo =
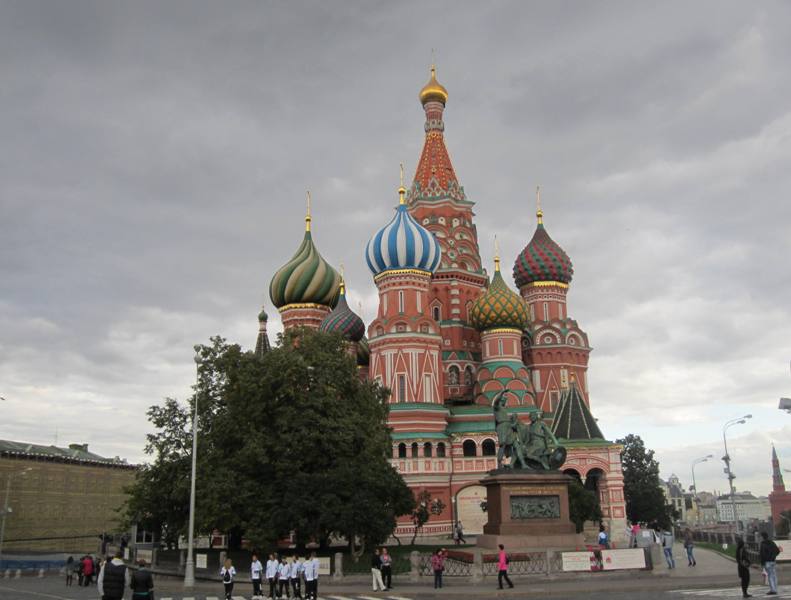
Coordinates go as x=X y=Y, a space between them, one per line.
x=18 y=574
x=40 y=573
x=414 y=566
x=337 y=574
x=476 y=572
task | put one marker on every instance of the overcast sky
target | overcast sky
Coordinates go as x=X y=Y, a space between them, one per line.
x=154 y=159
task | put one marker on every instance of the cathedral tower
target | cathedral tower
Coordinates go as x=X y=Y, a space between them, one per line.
x=555 y=346
x=306 y=288
x=438 y=203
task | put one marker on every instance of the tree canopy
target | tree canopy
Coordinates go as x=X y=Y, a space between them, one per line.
x=288 y=441
x=645 y=500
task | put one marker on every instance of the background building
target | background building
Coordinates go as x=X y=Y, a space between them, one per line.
x=748 y=507
x=61 y=499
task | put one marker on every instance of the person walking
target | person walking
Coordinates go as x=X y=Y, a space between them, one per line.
x=294 y=573
x=376 y=571
x=438 y=566
x=142 y=582
x=743 y=567
x=69 y=571
x=256 y=569
x=227 y=573
x=283 y=578
x=689 y=546
x=87 y=570
x=604 y=539
x=667 y=547
x=271 y=576
x=387 y=568
x=459 y=533
x=768 y=551
x=502 y=568
x=113 y=578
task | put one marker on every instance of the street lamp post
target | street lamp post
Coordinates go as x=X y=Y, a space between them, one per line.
x=189 y=566
x=727 y=460
x=697 y=461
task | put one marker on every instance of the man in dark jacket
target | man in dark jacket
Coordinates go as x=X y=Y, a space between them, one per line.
x=113 y=578
x=769 y=552
x=142 y=583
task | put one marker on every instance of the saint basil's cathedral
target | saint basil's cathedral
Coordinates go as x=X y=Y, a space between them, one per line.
x=447 y=338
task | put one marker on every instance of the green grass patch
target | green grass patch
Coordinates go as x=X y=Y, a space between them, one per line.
x=730 y=552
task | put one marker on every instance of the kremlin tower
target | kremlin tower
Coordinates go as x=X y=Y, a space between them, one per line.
x=306 y=288
x=779 y=499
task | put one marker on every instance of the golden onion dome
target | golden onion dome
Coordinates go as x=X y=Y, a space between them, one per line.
x=433 y=91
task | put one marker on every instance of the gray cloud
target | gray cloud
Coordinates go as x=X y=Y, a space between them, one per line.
x=154 y=160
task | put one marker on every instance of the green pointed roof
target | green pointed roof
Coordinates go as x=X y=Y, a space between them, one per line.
x=499 y=306
x=574 y=420
x=305 y=279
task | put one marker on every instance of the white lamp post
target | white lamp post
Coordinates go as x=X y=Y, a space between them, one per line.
x=727 y=460
x=189 y=567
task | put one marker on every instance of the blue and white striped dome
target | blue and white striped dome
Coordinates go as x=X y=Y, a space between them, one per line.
x=403 y=244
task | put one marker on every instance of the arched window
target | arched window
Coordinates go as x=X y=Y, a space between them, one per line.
x=441 y=450
x=402 y=450
x=469 y=378
x=435 y=312
x=414 y=450
x=488 y=448
x=453 y=375
x=427 y=450
x=469 y=448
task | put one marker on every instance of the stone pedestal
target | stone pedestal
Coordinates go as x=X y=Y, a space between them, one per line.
x=528 y=511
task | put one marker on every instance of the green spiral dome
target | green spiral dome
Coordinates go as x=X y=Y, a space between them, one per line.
x=499 y=307
x=305 y=279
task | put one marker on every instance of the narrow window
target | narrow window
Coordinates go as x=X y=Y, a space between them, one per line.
x=554 y=398
x=402 y=450
x=500 y=347
x=414 y=450
x=560 y=311
x=402 y=388
x=436 y=313
x=401 y=301
x=427 y=450
x=532 y=312
x=441 y=450
x=384 y=302
x=419 y=303
x=427 y=395
x=537 y=380
x=546 y=311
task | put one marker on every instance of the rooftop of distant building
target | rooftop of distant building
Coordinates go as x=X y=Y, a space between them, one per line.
x=74 y=453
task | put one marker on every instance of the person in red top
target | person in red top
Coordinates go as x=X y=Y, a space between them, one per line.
x=502 y=568
x=87 y=570
x=438 y=566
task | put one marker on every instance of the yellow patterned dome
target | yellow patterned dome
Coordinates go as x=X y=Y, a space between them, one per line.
x=433 y=91
x=499 y=306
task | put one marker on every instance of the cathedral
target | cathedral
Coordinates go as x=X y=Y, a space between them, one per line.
x=447 y=337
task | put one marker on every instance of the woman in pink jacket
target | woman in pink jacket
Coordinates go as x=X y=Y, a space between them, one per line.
x=438 y=566
x=502 y=568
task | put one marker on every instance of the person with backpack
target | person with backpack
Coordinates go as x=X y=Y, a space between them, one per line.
x=271 y=575
x=768 y=552
x=113 y=578
x=502 y=567
x=142 y=583
x=227 y=573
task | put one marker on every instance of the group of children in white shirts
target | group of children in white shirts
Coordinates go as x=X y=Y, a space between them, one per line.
x=284 y=577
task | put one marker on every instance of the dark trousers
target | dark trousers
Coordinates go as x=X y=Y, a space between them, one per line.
x=387 y=576
x=311 y=589
x=228 y=590
x=272 y=587
x=295 y=587
x=283 y=588
x=503 y=575
x=744 y=575
x=437 y=578
x=87 y=580
x=257 y=587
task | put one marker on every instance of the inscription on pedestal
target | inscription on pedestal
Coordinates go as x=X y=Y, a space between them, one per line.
x=535 y=507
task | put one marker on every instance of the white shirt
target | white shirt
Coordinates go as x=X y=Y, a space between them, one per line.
x=296 y=569
x=255 y=570
x=310 y=570
x=232 y=571
x=283 y=570
x=271 y=569
x=316 y=564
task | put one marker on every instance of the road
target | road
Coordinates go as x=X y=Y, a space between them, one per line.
x=53 y=588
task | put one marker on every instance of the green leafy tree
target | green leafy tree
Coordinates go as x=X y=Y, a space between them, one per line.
x=583 y=505
x=291 y=441
x=645 y=500
x=424 y=507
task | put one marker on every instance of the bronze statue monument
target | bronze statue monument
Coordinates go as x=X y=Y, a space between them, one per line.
x=530 y=447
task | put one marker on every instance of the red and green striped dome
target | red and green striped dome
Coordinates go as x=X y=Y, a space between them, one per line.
x=542 y=260
x=499 y=306
x=344 y=320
